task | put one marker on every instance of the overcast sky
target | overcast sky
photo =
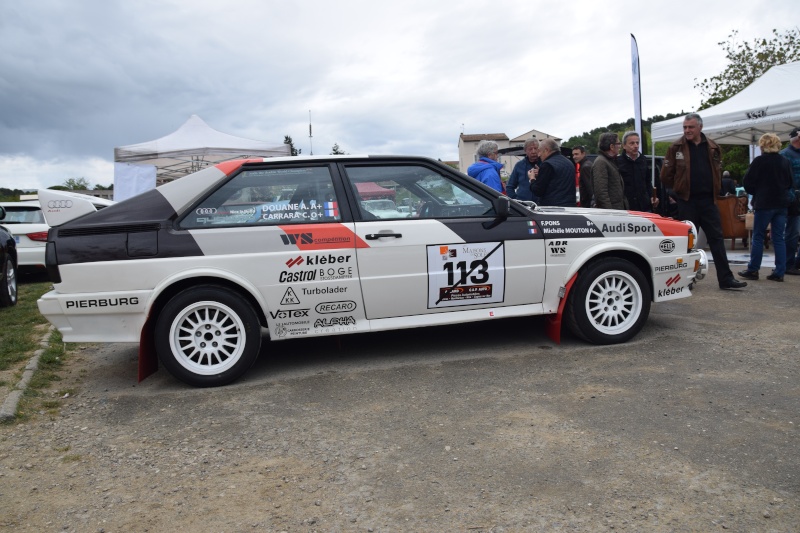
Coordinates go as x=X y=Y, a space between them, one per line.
x=79 y=78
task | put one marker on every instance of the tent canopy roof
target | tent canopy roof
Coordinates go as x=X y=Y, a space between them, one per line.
x=771 y=104
x=192 y=147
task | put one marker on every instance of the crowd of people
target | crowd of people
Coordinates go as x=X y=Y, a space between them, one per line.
x=619 y=178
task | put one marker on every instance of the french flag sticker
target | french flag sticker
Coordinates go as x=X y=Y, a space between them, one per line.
x=331 y=209
x=532 y=229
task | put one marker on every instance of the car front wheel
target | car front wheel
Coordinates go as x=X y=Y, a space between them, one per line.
x=8 y=290
x=208 y=336
x=609 y=302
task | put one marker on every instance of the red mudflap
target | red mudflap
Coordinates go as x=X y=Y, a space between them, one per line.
x=553 y=322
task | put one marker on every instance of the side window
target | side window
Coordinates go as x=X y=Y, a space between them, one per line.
x=392 y=192
x=267 y=198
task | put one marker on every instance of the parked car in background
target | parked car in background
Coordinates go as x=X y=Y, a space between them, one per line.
x=26 y=221
x=193 y=274
x=8 y=265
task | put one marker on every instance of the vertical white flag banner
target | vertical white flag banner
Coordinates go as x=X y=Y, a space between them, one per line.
x=637 y=91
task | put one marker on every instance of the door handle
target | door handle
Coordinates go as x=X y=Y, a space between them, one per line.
x=375 y=236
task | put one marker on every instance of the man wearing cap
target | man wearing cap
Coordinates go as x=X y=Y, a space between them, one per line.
x=792 y=153
x=692 y=169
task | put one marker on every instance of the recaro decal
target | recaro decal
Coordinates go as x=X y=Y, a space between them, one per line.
x=321 y=237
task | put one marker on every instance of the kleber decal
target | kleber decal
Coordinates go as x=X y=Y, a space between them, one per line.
x=321 y=236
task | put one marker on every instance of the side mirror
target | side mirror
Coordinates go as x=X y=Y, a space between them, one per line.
x=502 y=207
x=2 y=212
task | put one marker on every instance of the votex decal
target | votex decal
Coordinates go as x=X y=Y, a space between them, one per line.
x=466 y=274
x=320 y=237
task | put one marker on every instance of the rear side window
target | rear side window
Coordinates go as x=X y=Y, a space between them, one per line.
x=23 y=215
x=300 y=195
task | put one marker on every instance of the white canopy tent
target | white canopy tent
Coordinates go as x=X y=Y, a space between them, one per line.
x=771 y=104
x=192 y=147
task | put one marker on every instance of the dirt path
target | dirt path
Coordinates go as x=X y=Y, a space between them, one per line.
x=690 y=427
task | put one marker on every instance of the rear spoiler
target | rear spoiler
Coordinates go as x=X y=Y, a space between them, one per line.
x=59 y=207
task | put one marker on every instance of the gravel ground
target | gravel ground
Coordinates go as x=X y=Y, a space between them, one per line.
x=692 y=426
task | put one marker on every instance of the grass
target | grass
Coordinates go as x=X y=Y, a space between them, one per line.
x=22 y=325
x=21 y=332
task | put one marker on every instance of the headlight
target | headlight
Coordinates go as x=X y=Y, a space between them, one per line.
x=692 y=235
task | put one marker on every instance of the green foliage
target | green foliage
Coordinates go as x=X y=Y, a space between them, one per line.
x=591 y=138
x=288 y=140
x=23 y=325
x=735 y=159
x=77 y=184
x=337 y=151
x=104 y=187
x=746 y=62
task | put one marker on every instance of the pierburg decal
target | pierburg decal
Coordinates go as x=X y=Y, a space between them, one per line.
x=466 y=274
x=101 y=302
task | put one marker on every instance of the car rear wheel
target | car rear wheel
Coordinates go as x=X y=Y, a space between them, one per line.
x=208 y=336
x=609 y=302
x=8 y=291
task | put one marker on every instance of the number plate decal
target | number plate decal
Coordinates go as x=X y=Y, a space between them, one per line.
x=466 y=274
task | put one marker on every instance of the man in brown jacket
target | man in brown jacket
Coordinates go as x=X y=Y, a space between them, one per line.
x=692 y=169
x=607 y=184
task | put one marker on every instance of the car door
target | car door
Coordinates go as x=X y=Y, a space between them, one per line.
x=436 y=250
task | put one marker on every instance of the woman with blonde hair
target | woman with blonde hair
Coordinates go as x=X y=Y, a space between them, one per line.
x=769 y=180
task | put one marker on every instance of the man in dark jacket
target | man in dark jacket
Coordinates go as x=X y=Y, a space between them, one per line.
x=583 y=167
x=692 y=170
x=555 y=182
x=635 y=175
x=518 y=186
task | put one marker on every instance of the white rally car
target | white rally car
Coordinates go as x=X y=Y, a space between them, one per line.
x=194 y=269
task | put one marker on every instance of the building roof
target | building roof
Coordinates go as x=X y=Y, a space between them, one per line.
x=473 y=137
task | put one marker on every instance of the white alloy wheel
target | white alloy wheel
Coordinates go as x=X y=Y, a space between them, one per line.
x=614 y=302
x=207 y=338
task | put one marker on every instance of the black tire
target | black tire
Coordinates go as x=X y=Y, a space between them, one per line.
x=208 y=336
x=8 y=290
x=609 y=302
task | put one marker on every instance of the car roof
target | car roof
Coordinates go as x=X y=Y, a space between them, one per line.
x=24 y=203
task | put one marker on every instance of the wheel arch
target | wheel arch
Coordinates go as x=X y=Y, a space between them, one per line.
x=631 y=254
x=148 y=359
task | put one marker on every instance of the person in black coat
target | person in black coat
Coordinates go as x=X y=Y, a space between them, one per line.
x=555 y=182
x=728 y=186
x=769 y=180
x=633 y=169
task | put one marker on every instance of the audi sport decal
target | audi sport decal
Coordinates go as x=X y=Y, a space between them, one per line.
x=643 y=228
x=321 y=237
x=466 y=274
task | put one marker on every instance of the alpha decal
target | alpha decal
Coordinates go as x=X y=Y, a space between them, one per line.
x=327 y=308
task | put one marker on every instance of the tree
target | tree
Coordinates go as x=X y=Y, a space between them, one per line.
x=746 y=62
x=336 y=150
x=288 y=140
x=77 y=184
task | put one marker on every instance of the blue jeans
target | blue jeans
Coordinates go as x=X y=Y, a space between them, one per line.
x=792 y=234
x=763 y=218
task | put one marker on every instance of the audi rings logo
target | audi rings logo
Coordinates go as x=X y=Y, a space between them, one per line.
x=59 y=204
x=206 y=211
x=667 y=246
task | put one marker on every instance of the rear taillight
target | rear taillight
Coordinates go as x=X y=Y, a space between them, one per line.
x=38 y=236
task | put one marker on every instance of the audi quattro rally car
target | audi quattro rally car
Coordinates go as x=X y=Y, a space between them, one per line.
x=194 y=269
